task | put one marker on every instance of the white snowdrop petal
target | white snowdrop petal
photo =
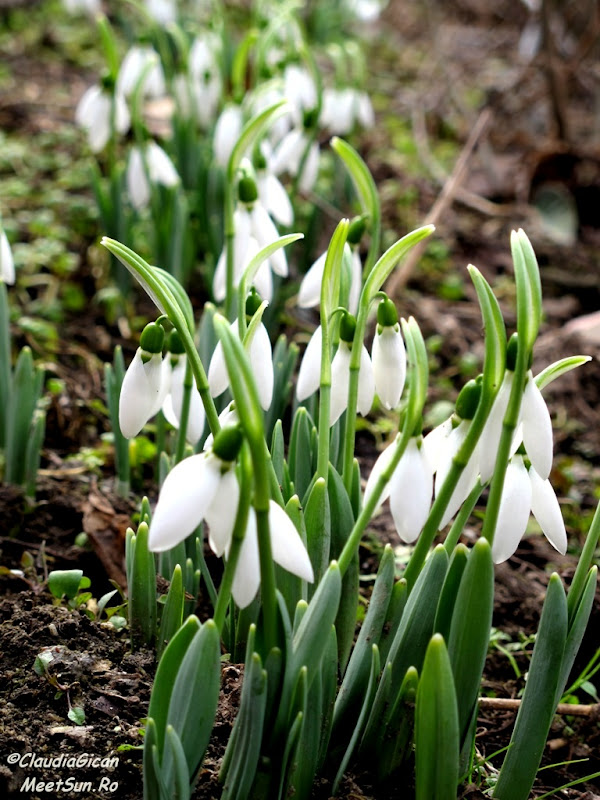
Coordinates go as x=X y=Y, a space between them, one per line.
x=389 y=365
x=263 y=281
x=411 y=489
x=218 y=379
x=378 y=467
x=261 y=360
x=436 y=442
x=366 y=383
x=286 y=545
x=309 y=375
x=247 y=574
x=546 y=510
x=265 y=233
x=139 y=393
x=277 y=201
x=537 y=429
x=122 y=115
x=490 y=436
x=227 y=132
x=309 y=294
x=310 y=170
x=137 y=182
x=196 y=415
x=185 y=496
x=340 y=376
x=220 y=515
x=288 y=153
x=514 y=510
x=160 y=166
x=7 y=265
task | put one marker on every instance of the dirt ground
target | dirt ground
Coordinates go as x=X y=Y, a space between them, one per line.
x=438 y=71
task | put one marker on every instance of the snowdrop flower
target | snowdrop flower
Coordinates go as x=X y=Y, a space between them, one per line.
x=143 y=389
x=89 y=7
x=409 y=489
x=300 y=91
x=201 y=487
x=309 y=294
x=141 y=63
x=388 y=355
x=286 y=546
x=344 y=108
x=289 y=155
x=163 y=11
x=271 y=192
x=227 y=132
x=7 y=265
x=175 y=366
x=444 y=442
x=534 y=430
x=366 y=10
x=198 y=92
x=94 y=114
x=310 y=372
x=253 y=230
x=158 y=168
x=260 y=356
x=525 y=492
x=228 y=418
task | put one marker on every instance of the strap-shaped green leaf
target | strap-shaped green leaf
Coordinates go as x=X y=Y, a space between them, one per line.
x=142 y=592
x=577 y=629
x=445 y=609
x=469 y=632
x=174 y=772
x=436 y=727
x=559 y=368
x=317 y=518
x=243 y=749
x=368 y=694
x=168 y=667
x=394 y=743
x=151 y=763
x=193 y=701
x=539 y=699
x=356 y=676
x=172 y=613
x=300 y=451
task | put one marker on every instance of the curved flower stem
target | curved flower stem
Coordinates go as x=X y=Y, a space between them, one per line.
x=230 y=303
x=185 y=412
x=237 y=539
x=158 y=285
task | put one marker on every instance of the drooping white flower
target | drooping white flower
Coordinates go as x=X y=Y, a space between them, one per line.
x=227 y=132
x=148 y=167
x=94 y=115
x=141 y=63
x=287 y=548
x=253 y=230
x=191 y=492
x=142 y=392
x=409 y=489
x=534 y=428
x=89 y=7
x=300 y=91
x=261 y=359
x=290 y=157
x=344 y=109
x=7 y=264
x=309 y=293
x=388 y=355
x=163 y=11
x=198 y=91
x=271 y=191
x=468 y=478
x=340 y=378
x=309 y=374
x=173 y=402
x=524 y=491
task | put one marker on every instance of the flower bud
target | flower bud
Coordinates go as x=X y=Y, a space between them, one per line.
x=152 y=338
x=347 y=327
x=387 y=316
x=356 y=230
x=468 y=399
x=227 y=443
